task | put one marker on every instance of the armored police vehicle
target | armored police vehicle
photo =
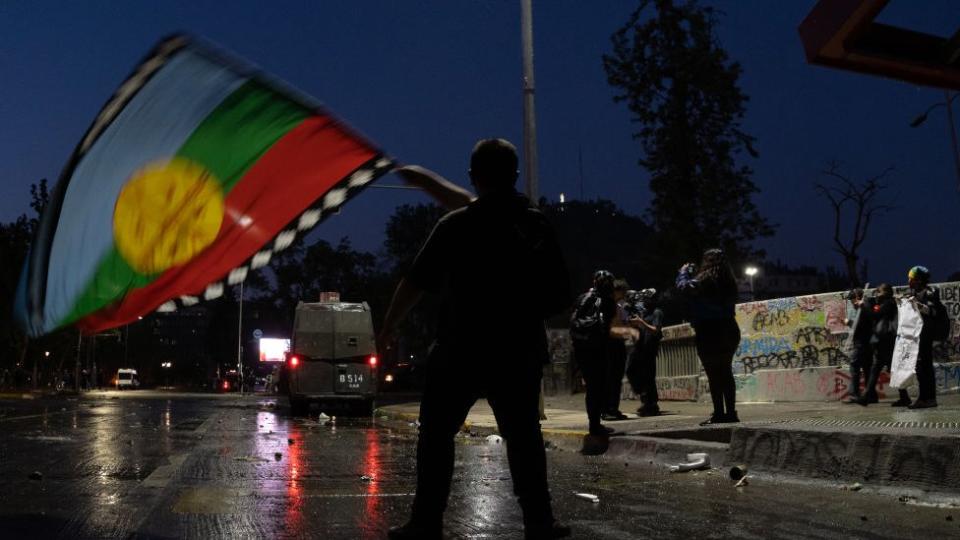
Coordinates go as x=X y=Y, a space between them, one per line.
x=332 y=359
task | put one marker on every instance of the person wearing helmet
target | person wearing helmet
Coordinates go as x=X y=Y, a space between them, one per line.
x=642 y=371
x=590 y=331
x=927 y=301
x=712 y=296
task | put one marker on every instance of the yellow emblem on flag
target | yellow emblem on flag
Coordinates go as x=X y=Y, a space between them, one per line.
x=167 y=213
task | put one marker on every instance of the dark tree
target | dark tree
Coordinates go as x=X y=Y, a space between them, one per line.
x=599 y=235
x=683 y=94
x=301 y=273
x=854 y=207
x=406 y=231
x=16 y=352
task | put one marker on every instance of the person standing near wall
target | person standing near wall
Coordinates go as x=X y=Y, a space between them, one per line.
x=590 y=327
x=927 y=301
x=712 y=295
x=883 y=339
x=862 y=333
x=642 y=371
x=620 y=333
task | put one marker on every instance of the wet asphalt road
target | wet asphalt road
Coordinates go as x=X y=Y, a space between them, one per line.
x=221 y=467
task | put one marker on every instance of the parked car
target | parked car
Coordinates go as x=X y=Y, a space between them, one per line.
x=332 y=359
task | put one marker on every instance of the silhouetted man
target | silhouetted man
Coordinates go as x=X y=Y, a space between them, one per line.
x=498 y=269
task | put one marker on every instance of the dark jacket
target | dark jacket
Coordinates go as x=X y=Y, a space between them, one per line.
x=708 y=303
x=498 y=269
x=863 y=333
x=884 y=321
x=929 y=300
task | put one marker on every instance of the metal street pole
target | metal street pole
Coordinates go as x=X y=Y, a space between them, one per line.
x=529 y=113
x=948 y=104
x=239 y=341
x=76 y=376
x=953 y=136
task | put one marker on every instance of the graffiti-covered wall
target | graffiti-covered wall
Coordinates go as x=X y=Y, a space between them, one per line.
x=796 y=332
x=808 y=331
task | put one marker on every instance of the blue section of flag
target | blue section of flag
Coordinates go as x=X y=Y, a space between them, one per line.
x=178 y=97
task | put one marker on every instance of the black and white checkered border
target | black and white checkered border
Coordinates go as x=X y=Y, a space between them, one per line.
x=308 y=219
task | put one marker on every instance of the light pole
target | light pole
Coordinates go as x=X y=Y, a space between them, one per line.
x=948 y=104
x=751 y=271
x=239 y=341
x=529 y=112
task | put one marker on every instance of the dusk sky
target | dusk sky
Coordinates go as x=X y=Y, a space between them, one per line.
x=425 y=79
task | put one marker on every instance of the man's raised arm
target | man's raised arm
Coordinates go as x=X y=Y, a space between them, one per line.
x=445 y=192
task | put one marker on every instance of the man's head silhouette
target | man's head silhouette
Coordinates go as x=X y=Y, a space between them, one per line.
x=493 y=166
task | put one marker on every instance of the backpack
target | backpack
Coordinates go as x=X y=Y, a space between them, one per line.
x=940 y=322
x=587 y=321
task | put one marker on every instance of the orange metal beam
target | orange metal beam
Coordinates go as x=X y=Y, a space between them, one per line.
x=842 y=34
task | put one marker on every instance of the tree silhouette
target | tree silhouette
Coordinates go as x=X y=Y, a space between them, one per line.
x=683 y=93
x=858 y=199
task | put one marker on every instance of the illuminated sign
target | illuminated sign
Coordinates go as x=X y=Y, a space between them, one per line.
x=273 y=349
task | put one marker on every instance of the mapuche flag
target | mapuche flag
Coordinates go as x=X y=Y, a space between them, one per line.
x=195 y=172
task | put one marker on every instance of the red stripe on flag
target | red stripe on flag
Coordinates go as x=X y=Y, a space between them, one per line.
x=297 y=170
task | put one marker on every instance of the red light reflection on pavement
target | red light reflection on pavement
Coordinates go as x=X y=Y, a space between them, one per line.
x=295 y=468
x=371 y=467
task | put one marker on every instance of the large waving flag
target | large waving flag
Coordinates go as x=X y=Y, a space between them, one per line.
x=195 y=172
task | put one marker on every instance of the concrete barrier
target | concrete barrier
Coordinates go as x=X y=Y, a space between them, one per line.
x=803 y=384
x=852 y=455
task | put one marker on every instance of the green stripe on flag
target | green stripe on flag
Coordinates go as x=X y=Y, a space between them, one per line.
x=227 y=142
x=248 y=122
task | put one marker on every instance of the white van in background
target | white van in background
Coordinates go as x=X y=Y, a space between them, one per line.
x=127 y=379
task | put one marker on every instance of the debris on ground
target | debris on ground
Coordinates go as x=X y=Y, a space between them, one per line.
x=494 y=439
x=277 y=456
x=743 y=482
x=290 y=441
x=366 y=478
x=852 y=487
x=863 y=518
x=256 y=459
x=949 y=518
x=737 y=472
x=36 y=475
x=322 y=416
x=697 y=460
x=588 y=497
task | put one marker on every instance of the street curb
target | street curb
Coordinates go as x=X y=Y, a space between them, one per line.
x=920 y=460
x=566 y=439
x=662 y=451
x=19 y=395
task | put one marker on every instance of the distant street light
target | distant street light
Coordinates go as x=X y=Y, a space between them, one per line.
x=46 y=353
x=751 y=271
x=953 y=128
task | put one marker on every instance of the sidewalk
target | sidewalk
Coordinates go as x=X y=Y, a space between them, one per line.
x=566 y=415
x=878 y=444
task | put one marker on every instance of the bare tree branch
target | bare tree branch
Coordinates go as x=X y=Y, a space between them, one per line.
x=862 y=200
